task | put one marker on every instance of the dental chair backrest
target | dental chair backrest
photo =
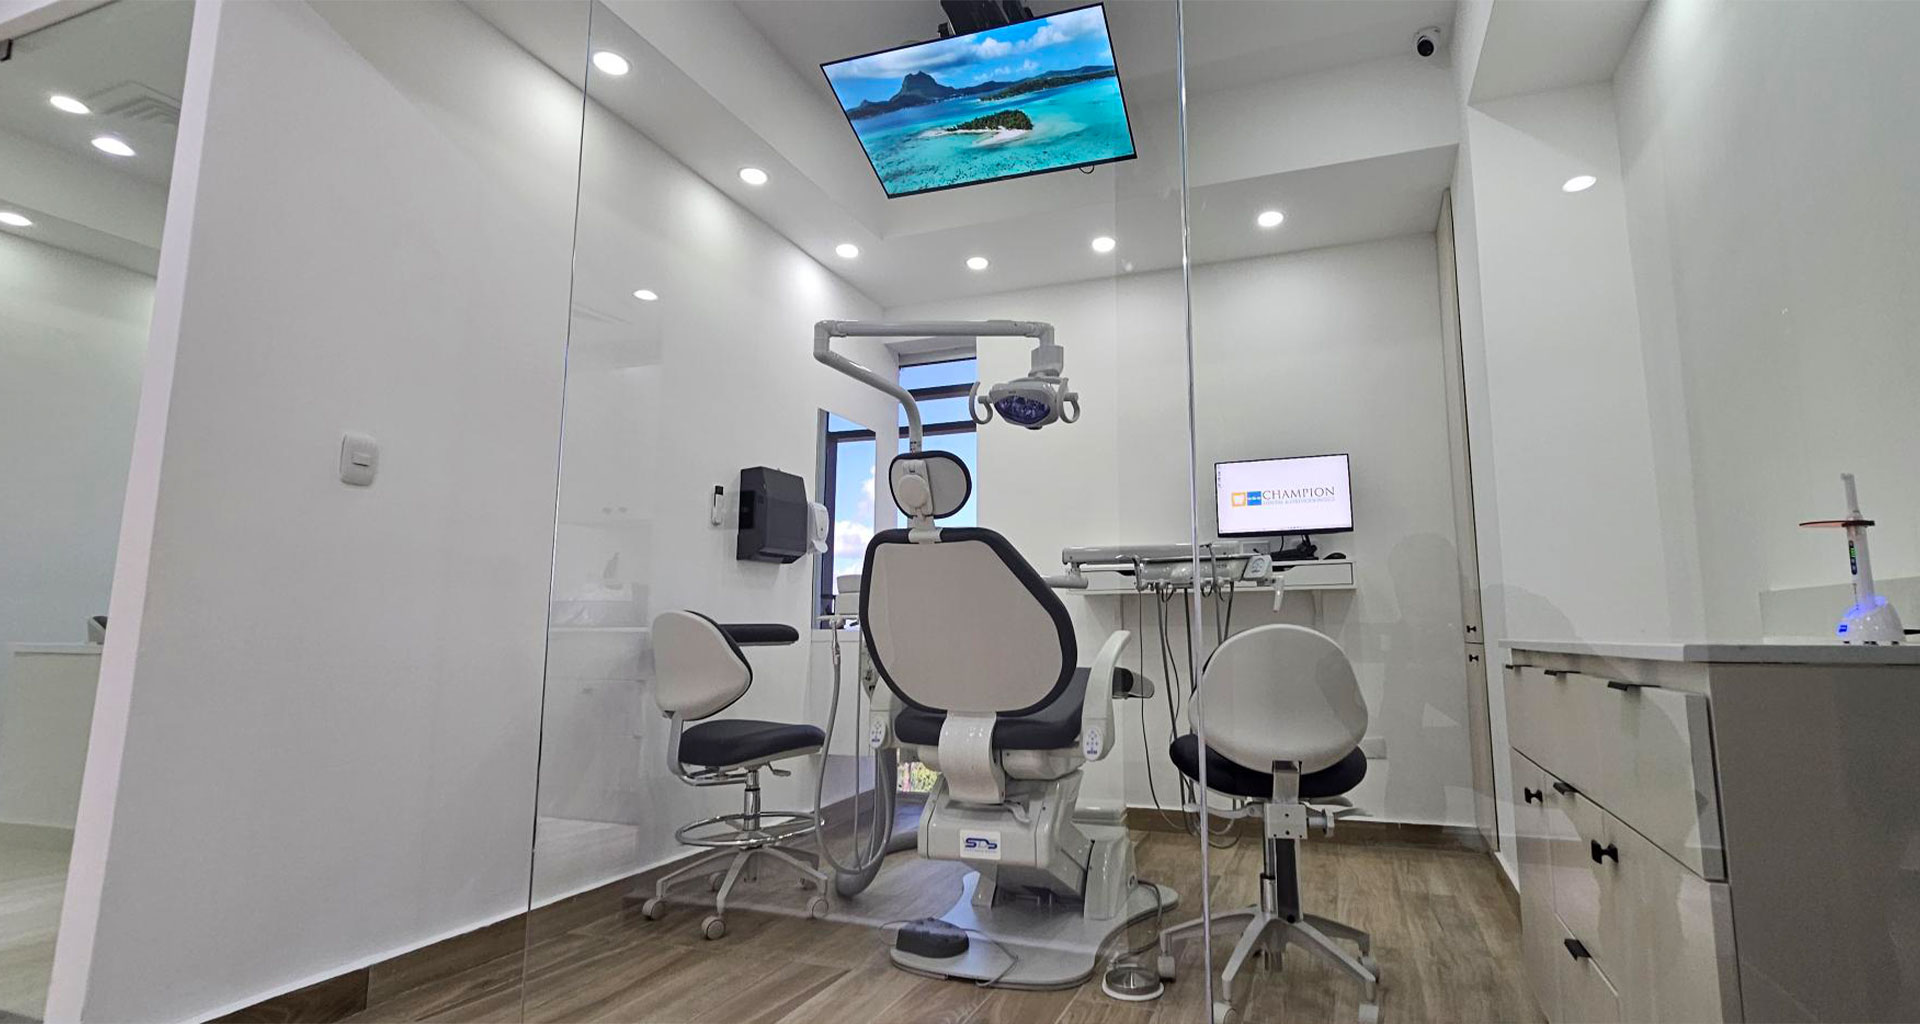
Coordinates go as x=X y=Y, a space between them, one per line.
x=955 y=619
x=1281 y=693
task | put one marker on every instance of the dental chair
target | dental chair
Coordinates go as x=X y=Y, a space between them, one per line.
x=699 y=671
x=983 y=661
x=1284 y=718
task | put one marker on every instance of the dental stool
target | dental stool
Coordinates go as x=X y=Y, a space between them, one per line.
x=983 y=661
x=1284 y=718
x=699 y=671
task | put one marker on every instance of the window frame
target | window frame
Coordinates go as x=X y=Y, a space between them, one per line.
x=830 y=471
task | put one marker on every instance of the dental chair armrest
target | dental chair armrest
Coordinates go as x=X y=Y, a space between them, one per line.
x=1096 y=712
x=760 y=634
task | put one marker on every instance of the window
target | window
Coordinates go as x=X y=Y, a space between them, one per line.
x=848 y=466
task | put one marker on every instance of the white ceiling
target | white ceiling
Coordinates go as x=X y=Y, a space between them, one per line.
x=1532 y=46
x=125 y=60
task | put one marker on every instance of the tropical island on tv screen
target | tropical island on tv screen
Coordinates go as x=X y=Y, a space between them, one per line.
x=1010 y=101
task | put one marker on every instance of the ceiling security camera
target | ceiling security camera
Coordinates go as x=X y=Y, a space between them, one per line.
x=1426 y=42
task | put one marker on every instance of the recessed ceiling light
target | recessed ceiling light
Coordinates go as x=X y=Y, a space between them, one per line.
x=1103 y=244
x=753 y=175
x=976 y=263
x=646 y=295
x=611 y=62
x=1579 y=183
x=69 y=104
x=111 y=145
x=14 y=220
x=1270 y=218
x=847 y=250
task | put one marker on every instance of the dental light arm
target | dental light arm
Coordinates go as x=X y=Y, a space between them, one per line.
x=1041 y=396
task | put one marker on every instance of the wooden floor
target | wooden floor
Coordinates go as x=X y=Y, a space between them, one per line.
x=1444 y=933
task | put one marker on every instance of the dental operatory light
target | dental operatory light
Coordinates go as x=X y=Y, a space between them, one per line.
x=647 y=295
x=1270 y=218
x=1579 y=183
x=611 y=62
x=753 y=176
x=977 y=263
x=68 y=104
x=1033 y=401
x=15 y=220
x=112 y=145
x=1103 y=244
x=847 y=251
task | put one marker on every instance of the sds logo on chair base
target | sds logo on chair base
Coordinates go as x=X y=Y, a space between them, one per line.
x=980 y=845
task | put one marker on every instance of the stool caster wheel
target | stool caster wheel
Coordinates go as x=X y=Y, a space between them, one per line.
x=714 y=880
x=1223 y=1013
x=654 y=909
x=713 y=927
x=1164 y=965
x=1369 y=1013
x=817 y=908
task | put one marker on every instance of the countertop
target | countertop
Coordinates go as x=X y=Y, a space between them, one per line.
x=79 y=648
x=1785 y=652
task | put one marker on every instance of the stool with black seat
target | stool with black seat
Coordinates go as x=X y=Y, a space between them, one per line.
x=699 y=671
x=1283 y=717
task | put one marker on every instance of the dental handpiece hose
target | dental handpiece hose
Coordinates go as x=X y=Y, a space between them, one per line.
x=863 y=862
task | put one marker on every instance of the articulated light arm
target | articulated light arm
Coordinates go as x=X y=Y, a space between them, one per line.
x=826 y=330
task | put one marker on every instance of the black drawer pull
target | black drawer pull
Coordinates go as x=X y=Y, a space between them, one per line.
x=1534 y=796
x=1473 y=657
x=1601 y=853
x=1615 y=684
x=1577 y=949
x=1563 y=789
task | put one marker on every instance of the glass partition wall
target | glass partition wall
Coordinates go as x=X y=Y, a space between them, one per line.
x=89 y=109
x=734 y=196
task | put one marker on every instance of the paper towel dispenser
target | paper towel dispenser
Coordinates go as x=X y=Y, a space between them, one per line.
x=775 y=524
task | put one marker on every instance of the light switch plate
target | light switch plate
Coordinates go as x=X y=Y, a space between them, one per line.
x=359 y=459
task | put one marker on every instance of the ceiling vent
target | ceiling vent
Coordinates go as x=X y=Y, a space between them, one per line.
x=132 y=101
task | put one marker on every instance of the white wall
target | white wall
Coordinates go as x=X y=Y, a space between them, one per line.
x=73 y=339
x=666 y=400
x=1766 y=151
x=1586 y=542
x=1328 y=350
x=315 y=743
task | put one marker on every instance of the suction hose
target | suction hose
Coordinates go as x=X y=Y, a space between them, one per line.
x=849 y=880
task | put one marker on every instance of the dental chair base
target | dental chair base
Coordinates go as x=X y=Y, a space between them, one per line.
x=1028 y=939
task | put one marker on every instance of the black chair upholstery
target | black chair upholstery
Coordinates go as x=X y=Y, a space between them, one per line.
x=728 y=741
x=1234 y=779
x=1056 y=726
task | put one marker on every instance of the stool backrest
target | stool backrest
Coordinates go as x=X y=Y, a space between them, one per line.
x=697 y=668
x=1282 y=693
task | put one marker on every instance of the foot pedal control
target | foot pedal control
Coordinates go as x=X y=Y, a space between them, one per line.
x=932 y=938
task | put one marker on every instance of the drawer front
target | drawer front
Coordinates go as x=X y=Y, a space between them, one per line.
x=1544 y=722
x=1642 y=752
x=1587 y=877
x=1673 y=948
x=1540 y=931
x=1584 y=993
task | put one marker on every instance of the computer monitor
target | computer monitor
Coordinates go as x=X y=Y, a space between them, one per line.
x=1302 y=495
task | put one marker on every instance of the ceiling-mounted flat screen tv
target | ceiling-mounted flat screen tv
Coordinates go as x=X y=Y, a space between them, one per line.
x=1042 y=95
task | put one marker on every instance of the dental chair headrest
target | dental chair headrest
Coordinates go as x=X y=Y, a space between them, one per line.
x=931 y=484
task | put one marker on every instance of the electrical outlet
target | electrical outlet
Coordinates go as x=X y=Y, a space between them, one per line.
x=1374 y=747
